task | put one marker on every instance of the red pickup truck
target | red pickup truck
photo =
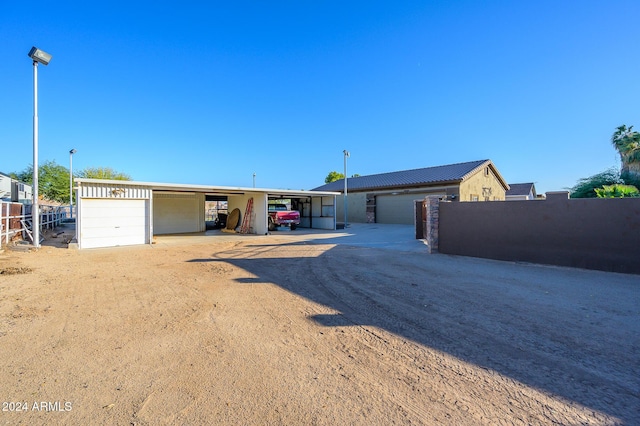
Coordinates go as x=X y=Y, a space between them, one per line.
x=280 y=215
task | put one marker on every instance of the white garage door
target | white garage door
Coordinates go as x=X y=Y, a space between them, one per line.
x=109 y=223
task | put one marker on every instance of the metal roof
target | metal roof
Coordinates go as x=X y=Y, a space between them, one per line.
x=451 y=173
x=521 y=189
x=207 y=189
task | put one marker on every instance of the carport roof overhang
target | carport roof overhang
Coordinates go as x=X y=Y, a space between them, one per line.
x=208 y=189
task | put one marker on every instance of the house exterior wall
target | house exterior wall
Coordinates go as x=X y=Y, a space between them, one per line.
x=399 y=209
x=356 y=207
x=384 y=207
x=483 y=184
x=13 y=190
x=5 y=188
x=21 y=192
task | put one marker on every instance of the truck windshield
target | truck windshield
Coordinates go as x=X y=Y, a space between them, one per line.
x=278 y=207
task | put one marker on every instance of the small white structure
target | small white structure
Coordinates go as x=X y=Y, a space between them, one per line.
x=13 y=190
x=117 y=213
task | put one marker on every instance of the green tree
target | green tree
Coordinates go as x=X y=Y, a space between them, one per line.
x=333 y=176
x=627 y=143
x=53 y=181
x=617 y=191
x=102 y=173
x=585 y=187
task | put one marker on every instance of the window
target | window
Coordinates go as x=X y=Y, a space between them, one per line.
x=486 y=171
x=473 y=197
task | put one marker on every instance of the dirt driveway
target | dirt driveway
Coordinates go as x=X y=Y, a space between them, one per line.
x=277 y=331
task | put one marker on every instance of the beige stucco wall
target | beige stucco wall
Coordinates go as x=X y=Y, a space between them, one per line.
x=356 y=207
x=399 y=209
x=482 y=185
x=258 y=220
x=357 y=202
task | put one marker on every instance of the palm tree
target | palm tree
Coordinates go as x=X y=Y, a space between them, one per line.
x=627 y=142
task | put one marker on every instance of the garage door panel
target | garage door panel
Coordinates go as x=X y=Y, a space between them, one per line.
x=106 y=231
x=108 y=223
x=126 y=211
x=107 y=241
x=130 y=209
x=111 y=222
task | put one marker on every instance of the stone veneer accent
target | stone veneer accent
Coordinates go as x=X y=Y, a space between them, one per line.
x=433 y=217
x=371 y=208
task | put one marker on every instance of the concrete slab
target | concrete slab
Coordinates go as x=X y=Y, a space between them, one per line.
x=391 y=237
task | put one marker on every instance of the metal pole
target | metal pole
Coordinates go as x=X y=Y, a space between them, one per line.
x=254 y=180
x=35 y=208
x=346 y=155
x=73 y=151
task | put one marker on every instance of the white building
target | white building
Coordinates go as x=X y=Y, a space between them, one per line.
x=14 y=190
x=116 y=213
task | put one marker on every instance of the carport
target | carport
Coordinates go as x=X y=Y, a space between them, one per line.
x=117 y=213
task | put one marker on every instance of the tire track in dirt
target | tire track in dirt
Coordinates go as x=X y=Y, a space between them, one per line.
x=343 y=288
x=344 y=359
x=393 y=353
x=464 y=335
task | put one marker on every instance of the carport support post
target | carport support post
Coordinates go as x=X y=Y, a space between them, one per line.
x=433 y=218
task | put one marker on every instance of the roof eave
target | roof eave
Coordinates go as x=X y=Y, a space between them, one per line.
x=157 y=186
x=489 y=163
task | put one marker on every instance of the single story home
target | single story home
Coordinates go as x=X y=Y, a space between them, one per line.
x=117 y=213
x=390 y=197
x=521 y=191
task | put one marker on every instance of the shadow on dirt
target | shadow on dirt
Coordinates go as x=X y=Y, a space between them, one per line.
x=569 y=333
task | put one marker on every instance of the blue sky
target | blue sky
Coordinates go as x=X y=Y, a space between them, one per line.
x=211 y=92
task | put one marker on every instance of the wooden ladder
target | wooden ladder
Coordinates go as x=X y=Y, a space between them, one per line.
x=246 y=220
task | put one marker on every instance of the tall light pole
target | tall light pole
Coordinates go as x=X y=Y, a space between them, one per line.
x=71 y=152
x=38 y=56
x=254 y=180
x=346 y=155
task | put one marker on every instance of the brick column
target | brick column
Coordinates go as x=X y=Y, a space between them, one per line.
x=433 y=217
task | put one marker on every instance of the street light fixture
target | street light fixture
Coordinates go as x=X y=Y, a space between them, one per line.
x=42 y=57
x=73 y=151
x=346 y=155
